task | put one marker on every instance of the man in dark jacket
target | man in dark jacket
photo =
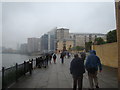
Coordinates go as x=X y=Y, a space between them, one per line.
x=62 y=57
x=77 y=70
x=83 y=56
x=92 y=64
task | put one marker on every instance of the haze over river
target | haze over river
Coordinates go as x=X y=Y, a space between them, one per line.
x=11 y=59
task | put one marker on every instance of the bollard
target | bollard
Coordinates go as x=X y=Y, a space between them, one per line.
x=3 y=83
x=30 y=67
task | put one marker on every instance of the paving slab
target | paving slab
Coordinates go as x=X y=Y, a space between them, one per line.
x=58 y=76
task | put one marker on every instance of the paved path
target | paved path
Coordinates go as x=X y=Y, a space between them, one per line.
x=58 y=76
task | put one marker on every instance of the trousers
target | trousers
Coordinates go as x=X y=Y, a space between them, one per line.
x=77 y=81
x=93 y=79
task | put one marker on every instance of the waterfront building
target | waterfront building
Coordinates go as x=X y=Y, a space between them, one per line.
x=51 y=40
x=65 y=44
x=44 y=43
x=81 y=38
x=33 y=44
x=23 y=48
x=62 y=33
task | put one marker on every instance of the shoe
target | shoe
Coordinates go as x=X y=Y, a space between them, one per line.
x=97 y=86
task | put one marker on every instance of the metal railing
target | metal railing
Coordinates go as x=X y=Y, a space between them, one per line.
x=12 y=74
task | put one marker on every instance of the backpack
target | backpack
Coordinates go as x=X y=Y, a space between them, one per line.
x=54 y=56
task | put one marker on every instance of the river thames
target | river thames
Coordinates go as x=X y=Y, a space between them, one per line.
x=9 y=60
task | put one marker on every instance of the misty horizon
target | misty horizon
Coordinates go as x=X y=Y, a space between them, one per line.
x=25 y=20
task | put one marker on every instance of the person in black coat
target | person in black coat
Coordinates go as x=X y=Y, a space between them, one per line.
x=62 y=57
x=77 y=70
x=83 y=56
x=54 y=58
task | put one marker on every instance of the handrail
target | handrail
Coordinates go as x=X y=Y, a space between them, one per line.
x=12 y=74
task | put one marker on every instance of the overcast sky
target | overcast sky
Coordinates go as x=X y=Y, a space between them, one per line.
x=22 y=20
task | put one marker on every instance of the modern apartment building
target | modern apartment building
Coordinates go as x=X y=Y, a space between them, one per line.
x=33 y=45
x=23 y=48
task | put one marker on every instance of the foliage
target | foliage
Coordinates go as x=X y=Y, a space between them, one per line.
x=78 y=48
x=112 y=36
x=88 y=46
x=99 y=41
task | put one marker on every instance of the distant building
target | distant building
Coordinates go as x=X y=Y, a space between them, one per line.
x=63 y=40
x=33 y=45
x=81 y=38
x=18 y=46
x=9 y=50
x=51 y=40
x=62 y=33
x=23 y=48
x=60 y=39
x=68 y=44
x=44 y=43
x=48 y=41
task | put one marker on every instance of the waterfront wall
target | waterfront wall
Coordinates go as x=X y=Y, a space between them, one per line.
x=108 y=54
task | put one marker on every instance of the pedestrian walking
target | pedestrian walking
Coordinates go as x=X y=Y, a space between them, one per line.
x=92 y=64
x=83 y=55
x=68 y=55
x=50 y=57
x=77 y=70
x=62 y=57
x=54 y=58
x=44 y=60
x=47 y=58
x=40 y=62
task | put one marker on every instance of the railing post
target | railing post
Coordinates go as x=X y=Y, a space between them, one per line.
x=3 y=82
x=36 y=61
x=30 y=67
x=32 y=64
x=16 y=72
x=24 y=67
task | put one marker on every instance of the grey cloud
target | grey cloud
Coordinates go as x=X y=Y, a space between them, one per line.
x=23 y=20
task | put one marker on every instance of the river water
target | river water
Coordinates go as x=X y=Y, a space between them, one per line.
x=9 y=60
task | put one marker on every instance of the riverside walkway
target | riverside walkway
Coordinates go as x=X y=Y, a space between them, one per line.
x=58 y=76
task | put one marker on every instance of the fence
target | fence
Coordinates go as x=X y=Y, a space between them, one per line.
x=12 y=74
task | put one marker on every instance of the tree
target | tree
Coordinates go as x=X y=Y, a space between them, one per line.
x=112 y=36
x=78 y=48
x=88 y=46
x=99 y=41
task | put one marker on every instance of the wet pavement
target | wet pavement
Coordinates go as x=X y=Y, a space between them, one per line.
x=58 y=76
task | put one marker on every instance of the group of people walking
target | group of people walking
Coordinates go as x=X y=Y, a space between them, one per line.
x=77 y=69
x=47 y=58
x=62 y=56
